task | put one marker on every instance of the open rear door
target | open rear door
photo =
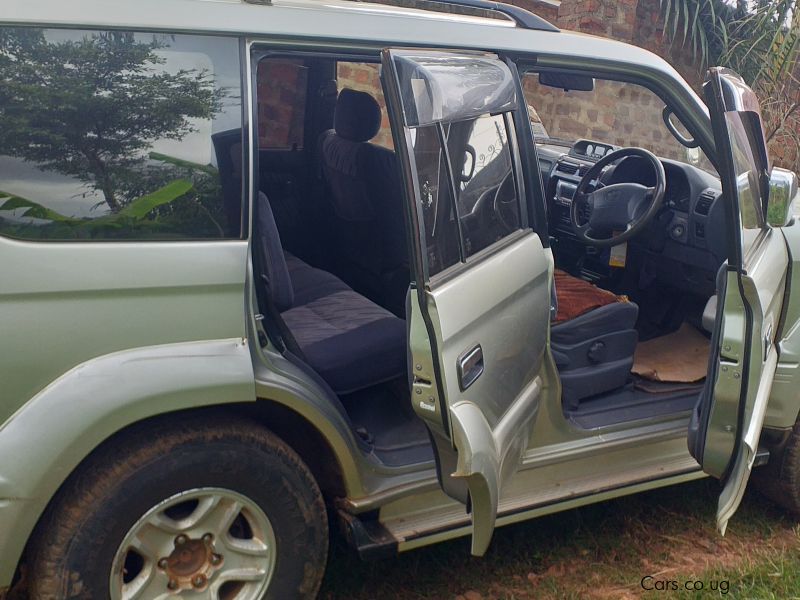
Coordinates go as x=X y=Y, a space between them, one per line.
x=725 y=430
x=479 y=304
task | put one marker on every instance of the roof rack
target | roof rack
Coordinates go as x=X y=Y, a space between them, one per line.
x=523 y=18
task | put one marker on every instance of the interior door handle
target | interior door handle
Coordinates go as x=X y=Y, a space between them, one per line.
x=470 y=366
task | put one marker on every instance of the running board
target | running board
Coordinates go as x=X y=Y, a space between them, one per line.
x=519 y=503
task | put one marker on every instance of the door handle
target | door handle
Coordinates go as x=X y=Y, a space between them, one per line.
x=470 y=367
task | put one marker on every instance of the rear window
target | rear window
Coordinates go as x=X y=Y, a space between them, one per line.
x=282 y=91
x=113 y=135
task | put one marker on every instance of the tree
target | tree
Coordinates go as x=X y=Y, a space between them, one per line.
x=760 y=40
x=92 y=108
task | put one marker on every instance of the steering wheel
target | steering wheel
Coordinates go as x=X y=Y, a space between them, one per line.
x=506 y=205
x=626 y=208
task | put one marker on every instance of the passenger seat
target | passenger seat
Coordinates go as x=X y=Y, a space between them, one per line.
x=364 y=189
x=350 y=341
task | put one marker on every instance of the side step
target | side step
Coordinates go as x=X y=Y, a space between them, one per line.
x=367 y=535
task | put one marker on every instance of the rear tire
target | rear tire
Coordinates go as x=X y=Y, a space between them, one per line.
x=129 y=491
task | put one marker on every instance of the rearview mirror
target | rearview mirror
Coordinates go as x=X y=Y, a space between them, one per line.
x=783 y=191
x=566 y=81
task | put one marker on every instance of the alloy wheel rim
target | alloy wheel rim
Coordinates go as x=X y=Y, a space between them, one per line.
x=209 y=543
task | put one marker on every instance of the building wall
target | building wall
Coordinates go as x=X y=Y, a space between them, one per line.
x=633 y=21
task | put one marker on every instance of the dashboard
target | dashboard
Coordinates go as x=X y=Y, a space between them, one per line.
x=684 y=245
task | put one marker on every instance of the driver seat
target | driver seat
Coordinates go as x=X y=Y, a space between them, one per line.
x=592 y=338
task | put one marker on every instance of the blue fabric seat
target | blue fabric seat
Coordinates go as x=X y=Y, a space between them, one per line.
x=365 y=191
x=350 y=341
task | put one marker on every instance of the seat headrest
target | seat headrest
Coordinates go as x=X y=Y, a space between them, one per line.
x=357 y=116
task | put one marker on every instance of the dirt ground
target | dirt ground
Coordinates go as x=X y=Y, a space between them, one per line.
x=659 y=544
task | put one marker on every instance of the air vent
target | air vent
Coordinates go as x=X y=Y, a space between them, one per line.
x=704 y=202
x=568 y=168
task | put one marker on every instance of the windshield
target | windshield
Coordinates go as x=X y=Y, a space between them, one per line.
x=615 y=112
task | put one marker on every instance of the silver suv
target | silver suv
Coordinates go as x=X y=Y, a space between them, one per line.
x=266 y=269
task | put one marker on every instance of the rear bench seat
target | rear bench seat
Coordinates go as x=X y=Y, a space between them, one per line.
x=350 y=341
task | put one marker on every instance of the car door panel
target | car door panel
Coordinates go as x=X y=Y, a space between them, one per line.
x=754 y=289
x=478 y=329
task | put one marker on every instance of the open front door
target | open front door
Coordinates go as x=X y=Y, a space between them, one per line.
x=726 y=427
x=479 y=307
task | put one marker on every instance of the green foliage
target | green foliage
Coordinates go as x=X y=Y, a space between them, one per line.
x=758 y=39
x=144 y=204
x=10 y=202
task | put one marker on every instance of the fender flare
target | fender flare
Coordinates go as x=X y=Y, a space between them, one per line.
x=53 y=432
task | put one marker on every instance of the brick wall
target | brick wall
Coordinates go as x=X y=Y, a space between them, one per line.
x=632 y=21
x=281 y=101
x=617 y=113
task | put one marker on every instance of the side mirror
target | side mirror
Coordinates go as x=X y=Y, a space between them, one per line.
x=783 y=193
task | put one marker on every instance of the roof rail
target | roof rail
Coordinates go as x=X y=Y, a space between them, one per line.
x=523 y=18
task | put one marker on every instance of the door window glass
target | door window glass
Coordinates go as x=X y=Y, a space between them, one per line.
x=468 y=188
x=436 y=199
x=109 y=135
x=487 y=203
x=614 y=112
x=747 y=178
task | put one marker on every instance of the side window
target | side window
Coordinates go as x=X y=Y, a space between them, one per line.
x=487 y=203
x=747 y=183
x=436 y=198
x=113 y=135
x=282 y=91
x=458 y=112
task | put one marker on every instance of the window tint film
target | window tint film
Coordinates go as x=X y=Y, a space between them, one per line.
x=282 y=91
x=110 y=135
x=441 y=229
x=487 y=203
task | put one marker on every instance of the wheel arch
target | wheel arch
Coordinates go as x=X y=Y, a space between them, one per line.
x=98 y=401
x=313 y=447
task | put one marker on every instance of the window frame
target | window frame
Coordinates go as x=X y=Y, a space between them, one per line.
x=467 y=261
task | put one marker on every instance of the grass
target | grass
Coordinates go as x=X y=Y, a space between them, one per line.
x=599 y=551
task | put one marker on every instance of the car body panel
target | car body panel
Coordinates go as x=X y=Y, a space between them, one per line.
x=550 y=478
x=783 y=409
x=183 y=307
x=94 y=400
x=486 y=316
x=758 y=263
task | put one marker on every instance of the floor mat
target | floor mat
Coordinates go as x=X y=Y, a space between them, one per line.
x=680 y=357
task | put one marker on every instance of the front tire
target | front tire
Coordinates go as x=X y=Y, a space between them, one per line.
x=779 y=480
x=227 y=510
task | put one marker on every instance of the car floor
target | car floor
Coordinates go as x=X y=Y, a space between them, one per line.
x=639 y=399
x=382 y=415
